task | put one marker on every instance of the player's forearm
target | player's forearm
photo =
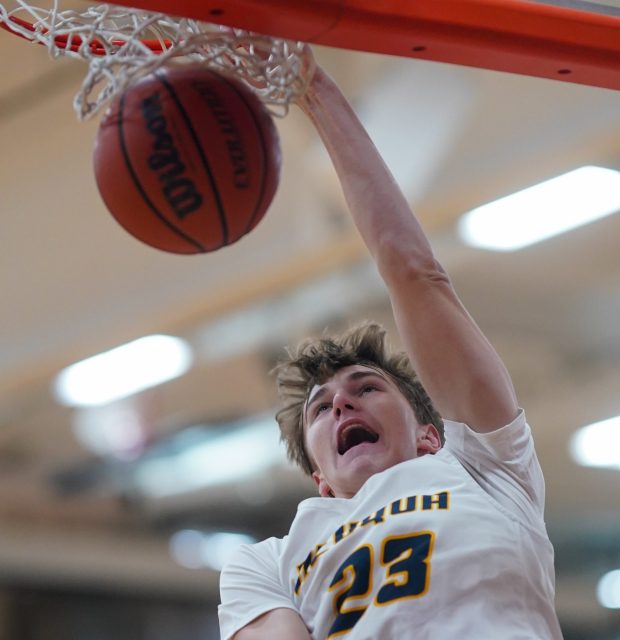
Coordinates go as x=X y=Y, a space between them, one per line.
x=378 y=206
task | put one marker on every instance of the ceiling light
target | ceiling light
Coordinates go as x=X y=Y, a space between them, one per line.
x=239 y=454
x=608 y=590
x=118 y=429
x=544 y=210
x=197 y=549
x=598 y=444
x=123 y=371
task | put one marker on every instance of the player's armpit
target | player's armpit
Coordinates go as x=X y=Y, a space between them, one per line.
x=278 y=624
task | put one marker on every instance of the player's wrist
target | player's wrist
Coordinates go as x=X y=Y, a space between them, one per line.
x=316 y=96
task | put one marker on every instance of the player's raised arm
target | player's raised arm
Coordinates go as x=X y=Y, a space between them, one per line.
x=458 y=366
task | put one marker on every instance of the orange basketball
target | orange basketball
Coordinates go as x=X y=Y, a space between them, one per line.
x=187 y=160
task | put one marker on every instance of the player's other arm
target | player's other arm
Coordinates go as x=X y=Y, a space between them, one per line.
x=457 y=365
x=279 y=624
x=251 y=590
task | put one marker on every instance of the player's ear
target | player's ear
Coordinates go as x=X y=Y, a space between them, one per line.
x=325 y=490
x=428 y=439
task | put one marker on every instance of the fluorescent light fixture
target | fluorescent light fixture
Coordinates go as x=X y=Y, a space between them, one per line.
x=608 y=590
x=119 y=429
x=598 y=444
x=198 y=550
x=123 y=371
x=238 y=455
x=544 y=210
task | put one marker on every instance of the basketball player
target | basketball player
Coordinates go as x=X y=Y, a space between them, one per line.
x=411 y=537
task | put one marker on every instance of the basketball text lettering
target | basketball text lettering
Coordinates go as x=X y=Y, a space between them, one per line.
x=179 y=191
x=234 y=144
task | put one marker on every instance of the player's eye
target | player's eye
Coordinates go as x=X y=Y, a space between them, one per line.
x=320 y=408
x=367 y=388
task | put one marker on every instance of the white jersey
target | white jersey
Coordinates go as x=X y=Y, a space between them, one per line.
x=442 y=547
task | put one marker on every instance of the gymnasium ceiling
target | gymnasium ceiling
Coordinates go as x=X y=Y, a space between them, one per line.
x=73 y=283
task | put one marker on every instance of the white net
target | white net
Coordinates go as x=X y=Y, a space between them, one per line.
x=121 y=44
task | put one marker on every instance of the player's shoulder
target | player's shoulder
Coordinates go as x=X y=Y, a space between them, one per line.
x=258 y=555
x=504 y=442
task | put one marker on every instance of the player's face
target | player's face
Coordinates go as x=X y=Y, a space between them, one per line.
x=358 y=423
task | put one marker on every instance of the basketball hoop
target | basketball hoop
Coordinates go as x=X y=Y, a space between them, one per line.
x=121 y=44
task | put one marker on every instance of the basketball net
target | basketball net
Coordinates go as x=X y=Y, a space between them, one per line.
x=121 y=44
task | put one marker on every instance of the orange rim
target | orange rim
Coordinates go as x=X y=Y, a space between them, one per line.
x=504 y=35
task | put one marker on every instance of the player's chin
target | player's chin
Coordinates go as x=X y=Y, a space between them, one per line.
x=355 y=476
x=365 y=460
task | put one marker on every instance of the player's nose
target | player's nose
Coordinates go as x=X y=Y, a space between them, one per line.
x=342 y=402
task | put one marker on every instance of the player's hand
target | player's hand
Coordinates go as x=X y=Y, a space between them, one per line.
x=255 y=53
x=315 y=77
x=309 y=65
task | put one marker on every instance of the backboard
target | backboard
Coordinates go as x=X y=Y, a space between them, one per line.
x=571 y=40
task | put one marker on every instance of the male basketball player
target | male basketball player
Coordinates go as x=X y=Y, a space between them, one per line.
x=411 y=537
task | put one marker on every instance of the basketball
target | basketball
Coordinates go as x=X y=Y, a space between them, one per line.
x=187 y=160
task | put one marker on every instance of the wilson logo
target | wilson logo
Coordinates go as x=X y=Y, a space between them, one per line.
x=179 y=191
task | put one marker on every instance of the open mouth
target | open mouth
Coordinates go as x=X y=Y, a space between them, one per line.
x=354 y=435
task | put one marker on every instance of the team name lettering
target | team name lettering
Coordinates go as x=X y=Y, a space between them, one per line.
x=307 y=564
x=179 y=191
x=374 y=518
x=234 y=145
x=404 y=505
x=436 y=501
